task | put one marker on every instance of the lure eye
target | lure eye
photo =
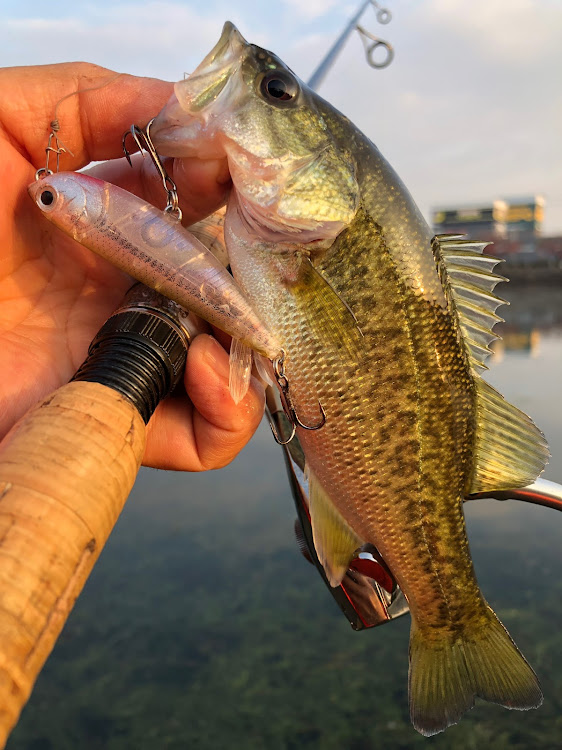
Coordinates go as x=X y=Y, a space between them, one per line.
x=47 y=198
x=279 y=87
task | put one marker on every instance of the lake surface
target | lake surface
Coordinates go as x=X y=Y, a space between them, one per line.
x=203 y=627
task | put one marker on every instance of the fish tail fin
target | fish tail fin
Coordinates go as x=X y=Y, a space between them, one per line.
x=446 y=673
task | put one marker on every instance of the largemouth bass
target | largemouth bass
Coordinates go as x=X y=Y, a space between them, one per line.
x=384 y=329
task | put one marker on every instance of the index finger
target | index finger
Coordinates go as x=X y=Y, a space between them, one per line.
x=92 y=121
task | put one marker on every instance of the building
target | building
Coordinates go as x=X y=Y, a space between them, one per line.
x=476 y=220
x=524 y=218
x=513 y=224
x=514 y=219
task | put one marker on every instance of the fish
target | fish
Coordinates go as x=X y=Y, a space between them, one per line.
x=152 y=247
x=385 y=329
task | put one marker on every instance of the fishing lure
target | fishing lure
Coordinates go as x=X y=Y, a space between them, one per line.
x=153 y=248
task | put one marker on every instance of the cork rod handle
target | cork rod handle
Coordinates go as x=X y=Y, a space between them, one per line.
x=66 y=470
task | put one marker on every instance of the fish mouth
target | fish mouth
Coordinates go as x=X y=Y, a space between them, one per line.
x=208 y=117
x=188 y=123
x=212 y=75
x=229 y=47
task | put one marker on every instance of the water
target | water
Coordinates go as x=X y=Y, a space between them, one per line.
x=203 y=627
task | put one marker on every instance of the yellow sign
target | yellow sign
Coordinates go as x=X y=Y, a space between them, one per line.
x=469 y=214
x=528 y=213
x=539 y=213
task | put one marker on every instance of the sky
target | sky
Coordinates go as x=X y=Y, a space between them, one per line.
x=469 y=111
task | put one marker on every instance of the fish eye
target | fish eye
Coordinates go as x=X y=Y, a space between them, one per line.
x=46 y=198
x=278 y=86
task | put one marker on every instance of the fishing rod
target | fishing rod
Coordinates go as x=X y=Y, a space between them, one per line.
x=370 y=42
x=66 y=470
x=542 y=492
x=68 y=466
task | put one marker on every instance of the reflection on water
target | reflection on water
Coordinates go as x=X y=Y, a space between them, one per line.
x=531 y=307
x=532 y=312
x=516 y=341
x=202 y=626
x=530 y=375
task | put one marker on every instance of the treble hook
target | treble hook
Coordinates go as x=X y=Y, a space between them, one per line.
x=288 y=406
x=279 y=440
x=144 y=142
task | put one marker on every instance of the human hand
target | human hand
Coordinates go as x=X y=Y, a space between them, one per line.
x=55 y=295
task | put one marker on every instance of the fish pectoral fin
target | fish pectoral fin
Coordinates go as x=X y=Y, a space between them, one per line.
x=449 y=669
x=327 y=313
x=240 y=370
x=334 y=540
x=510 y=450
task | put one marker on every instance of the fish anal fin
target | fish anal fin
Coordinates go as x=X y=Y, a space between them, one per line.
x=448 y=670
x=334 y=540
x=510 y=449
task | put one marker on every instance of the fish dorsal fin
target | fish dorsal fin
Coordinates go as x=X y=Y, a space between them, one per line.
x=334 y=540
x=510 y=449
x=469 y=277
x=240 y=370
x=210 y=232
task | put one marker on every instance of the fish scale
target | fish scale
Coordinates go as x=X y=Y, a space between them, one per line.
x=374 y=465
x=371 y=476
